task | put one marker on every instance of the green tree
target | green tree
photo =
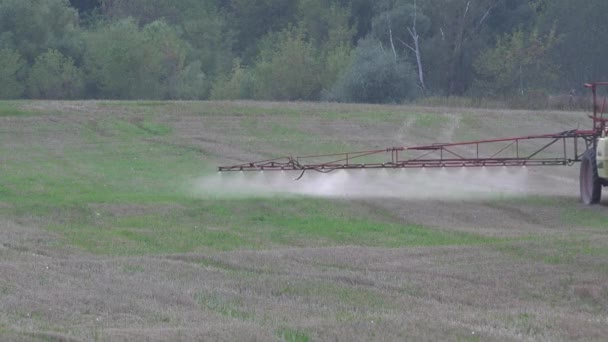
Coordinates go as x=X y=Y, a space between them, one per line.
x=519 y=64
x=335 y=62
x=34 y=26
x=401 y=26
x=459 y=31
x=328 y=26
x=362 y=16
x=254 y=19
x=55 y=76
x=199 y=23
x=13 y=66
x=580 y=51
x=289 y=68
x=237 y=85
x=326 y=23
x=119 y=64
x=192 y=83
x=126 y=62
x=85 y=6
x=167 y=55
x=375 y=76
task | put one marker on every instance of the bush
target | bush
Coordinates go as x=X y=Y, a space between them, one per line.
x=517 y=68
x=289 y=68
x=118 y=62
x=374 y=77
x=192 y=83
x=34 y=27
x=336 y=62
x=128 y=63
x=13 y=66
x=55 y=76
x=238 y=85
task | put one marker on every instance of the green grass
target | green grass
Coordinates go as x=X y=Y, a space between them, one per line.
x=591 y=217
x=292 y=335
x=135 y=104
x=574 y=214
x=429 y=120
x=347 y=297
x=225 y=307
x=555 y=251
x=119 y=186
x=223 y=225
x=12 y=108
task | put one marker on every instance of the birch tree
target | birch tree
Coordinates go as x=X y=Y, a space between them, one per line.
x=401 y=25
x=457 y=30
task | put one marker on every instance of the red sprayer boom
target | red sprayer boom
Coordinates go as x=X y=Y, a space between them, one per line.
x=567 y=148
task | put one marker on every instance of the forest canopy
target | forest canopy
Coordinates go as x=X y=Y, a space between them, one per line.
x=375 y=51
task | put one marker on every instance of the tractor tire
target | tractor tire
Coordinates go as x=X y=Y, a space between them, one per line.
x=590 y=183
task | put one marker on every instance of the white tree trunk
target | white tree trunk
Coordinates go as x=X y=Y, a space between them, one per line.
x=416 y=48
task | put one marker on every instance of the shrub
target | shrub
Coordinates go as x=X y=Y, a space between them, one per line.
x=375 y=76
x=125 y=62
x=192 y=83
x=34 y=27
x=238 y=85
x=288 y=69
x=55 y=76
x=13 y=66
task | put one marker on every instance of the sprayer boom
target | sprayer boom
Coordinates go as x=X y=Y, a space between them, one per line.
x=534 y=150
x=497 y=152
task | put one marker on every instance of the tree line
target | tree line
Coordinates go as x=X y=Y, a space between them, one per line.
x=381 y=51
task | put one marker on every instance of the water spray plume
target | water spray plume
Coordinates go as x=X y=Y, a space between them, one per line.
x=445 y=183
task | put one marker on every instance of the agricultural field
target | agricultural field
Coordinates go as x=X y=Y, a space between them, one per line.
x=114 y=225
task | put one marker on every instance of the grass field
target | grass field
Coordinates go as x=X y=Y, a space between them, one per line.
x=106 y=236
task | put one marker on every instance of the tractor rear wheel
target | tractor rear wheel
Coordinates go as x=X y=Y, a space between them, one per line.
x=591 y=187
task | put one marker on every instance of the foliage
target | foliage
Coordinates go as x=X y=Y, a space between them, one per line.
x=238 y=85
x=12 y=69
x=581 y=27
x=288 y=68
x=197 y=22
x=517 y=65
x=326 y=23
x=296 y=50
x=397 y=17
x=167 y=57
x=124 y=61
x=119 y=64
x=55 y=76
x=254 y=19
x=336 y=62
x=148 y=11
x=192 y=83
x=32 y=27
x=375 y=76
x=85 y=6
x=459 y=31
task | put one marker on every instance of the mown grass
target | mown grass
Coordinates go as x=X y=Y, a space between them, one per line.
x=573 y=213
x=591 y=217
x=346 y=297
x=557 y=251
x=118 y=185
x=184 y=226
x=136 y=166
x=226 y=307
x=12 y=108
x=293 y=335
